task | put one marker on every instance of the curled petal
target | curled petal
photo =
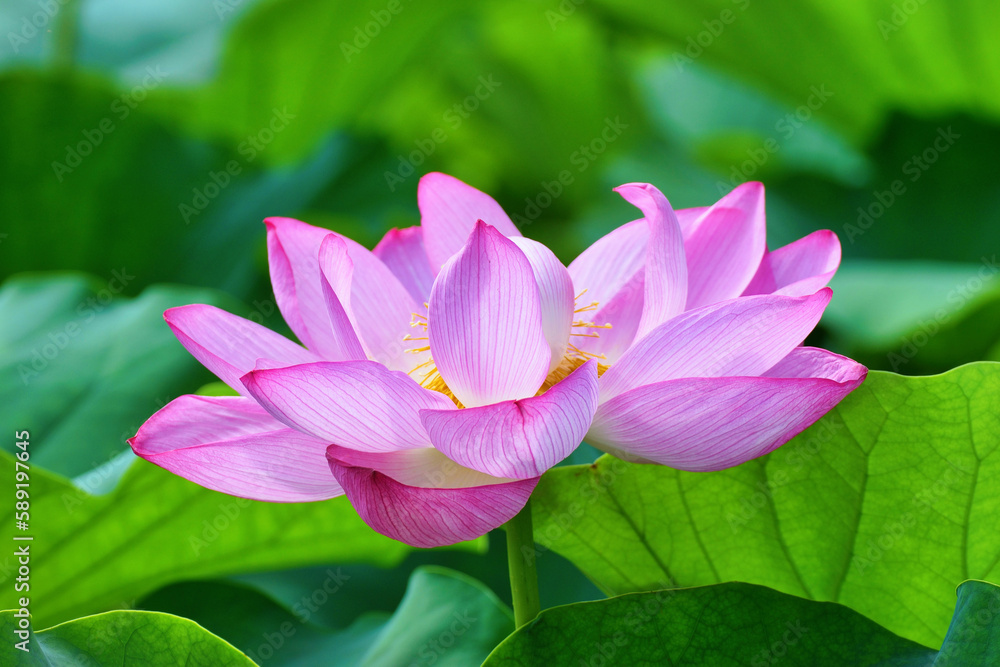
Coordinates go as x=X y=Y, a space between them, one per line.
x=230 y=346
x=449 y=210
x=518 y=439
x=424 y=516
x=230 y=444
x=356 y=404
x=666 y=278
x=485 y=326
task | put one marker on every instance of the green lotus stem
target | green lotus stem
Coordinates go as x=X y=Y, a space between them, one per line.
x=67 y=24
x=521 y=562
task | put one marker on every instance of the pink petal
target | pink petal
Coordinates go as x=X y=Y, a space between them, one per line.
x=356 y=404
x=293 y=256
x=518 y=439
x=703 y=424
x=423 y=467
x=666 y=279
x=690 y=218
x=745 y=336
x=402 y=250
x=382 y=310
x=230 y=346
x=556 y=290
x=230 y=444
x=449 y=210
x=610 y=263
x=429 y=517
x=486 y=322
x=379 y=306
x=623 y=313
x=801 y=267
x=727 y=246
x=337 y=272
x=813 y=362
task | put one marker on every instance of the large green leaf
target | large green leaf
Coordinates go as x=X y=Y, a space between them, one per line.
x=82 y=369
x=875 y=55
x=118 y=639
x=884 y=505
x=740 y=624
x=448 y=84
x=102 y=552
x=95 y=182
x=445 y=618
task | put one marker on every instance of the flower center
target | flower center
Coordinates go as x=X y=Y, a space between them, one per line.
x=428 y=376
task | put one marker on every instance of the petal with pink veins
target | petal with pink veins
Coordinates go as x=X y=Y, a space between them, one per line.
x=293 y=258
x=485 y=322
x=666 y=280
x=801 y=267
x=230 y=346
x=703 y=424
x=745 y=336
x=379 y=306
x=424 y=516
x=726 y=247
x=518 y=439
x=449 y=210
x=556 y=291
x=423 y=467
x=610 y=263
x=356 y=404
x=617 y=320
x=230 y=444
x=402 y=250
x=382 y=309
x=337 y=272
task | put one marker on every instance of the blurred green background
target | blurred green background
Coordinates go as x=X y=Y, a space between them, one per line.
x=143 y=143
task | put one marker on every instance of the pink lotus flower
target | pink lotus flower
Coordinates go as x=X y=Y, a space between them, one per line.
x=445 y=371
